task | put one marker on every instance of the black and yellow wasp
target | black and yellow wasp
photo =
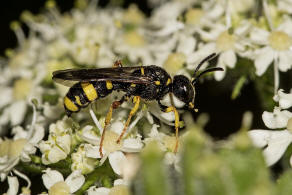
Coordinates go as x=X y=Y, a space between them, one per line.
x=140 y=82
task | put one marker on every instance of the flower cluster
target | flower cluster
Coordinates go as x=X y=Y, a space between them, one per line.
x=176 y=36
x=275 y=142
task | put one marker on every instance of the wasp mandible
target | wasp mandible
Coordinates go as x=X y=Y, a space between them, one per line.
x=140 y=82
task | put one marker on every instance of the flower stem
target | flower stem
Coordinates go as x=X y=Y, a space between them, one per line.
x=103 y=174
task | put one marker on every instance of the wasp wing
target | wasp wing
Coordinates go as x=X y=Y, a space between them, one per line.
x=69 y=77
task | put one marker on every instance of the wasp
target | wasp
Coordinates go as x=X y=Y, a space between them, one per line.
x=140 y=82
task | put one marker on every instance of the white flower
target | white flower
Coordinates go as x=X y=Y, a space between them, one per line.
x=227 y=44
x=276 y=46
x=111 y=149
x=57 y=147
x=54 y=182
x=13 y=185
x=81 y=161
x=23 y=144
x=274 y=143
x=277 y=119
x=284 y=99
x=120 y=187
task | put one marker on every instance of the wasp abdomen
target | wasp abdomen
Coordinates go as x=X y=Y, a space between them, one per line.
x=83 y=93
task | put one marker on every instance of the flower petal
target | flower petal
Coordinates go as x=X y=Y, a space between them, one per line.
x=263 y=60
x=17 y=112
x=98 y=191
x=117 y=159
x=229 y=58
x=75 y=180
x=51 y=177
x=13 y=185
x=276 y=142
x=132 y=145
x=285 y=60
x=284 y=99
x=91 y=151
x=277 y=119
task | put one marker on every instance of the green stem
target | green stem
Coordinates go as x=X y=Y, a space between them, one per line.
x=102 y=174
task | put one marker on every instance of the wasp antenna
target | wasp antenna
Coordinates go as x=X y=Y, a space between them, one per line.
x=206 y=59
x=206 y=71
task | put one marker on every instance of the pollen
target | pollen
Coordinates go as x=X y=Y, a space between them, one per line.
x=110 y=142
x=134 y=39
x=174 y=62
x=169 y=142
x=133 y=15
x=193 y=16
x=279 y=40
x=21 y=88
x=225 y=41
x=60 y=188
x=16 y=147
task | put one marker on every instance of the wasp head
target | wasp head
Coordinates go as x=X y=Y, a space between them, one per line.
x=184 y=90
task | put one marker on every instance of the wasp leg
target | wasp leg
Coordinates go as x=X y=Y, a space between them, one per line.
x=176 y=123
x=136 y=101
x=108 y=118
x=118 y=64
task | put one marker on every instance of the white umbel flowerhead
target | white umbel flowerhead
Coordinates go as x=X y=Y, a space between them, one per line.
x=22 y=145
x=275 y=47
x=54 y=182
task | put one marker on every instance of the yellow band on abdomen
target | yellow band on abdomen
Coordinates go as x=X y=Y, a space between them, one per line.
x=89 y=91
x=70 y=105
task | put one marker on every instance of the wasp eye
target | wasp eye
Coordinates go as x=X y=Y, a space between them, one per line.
x=183 y=89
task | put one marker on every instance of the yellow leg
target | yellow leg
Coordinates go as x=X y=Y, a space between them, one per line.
x=136 y=101
x=108 y=118
x=176 y=124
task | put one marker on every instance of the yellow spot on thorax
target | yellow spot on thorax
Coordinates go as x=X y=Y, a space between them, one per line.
x=142 y=71
x=89 y=91
x=133 y=85
x=280 y=40
x=157 y=82
x=168 y=81
x=70 y=105
x=225 y=41
x=109 y=85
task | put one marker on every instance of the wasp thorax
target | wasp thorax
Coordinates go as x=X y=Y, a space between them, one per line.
x=183 y=89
